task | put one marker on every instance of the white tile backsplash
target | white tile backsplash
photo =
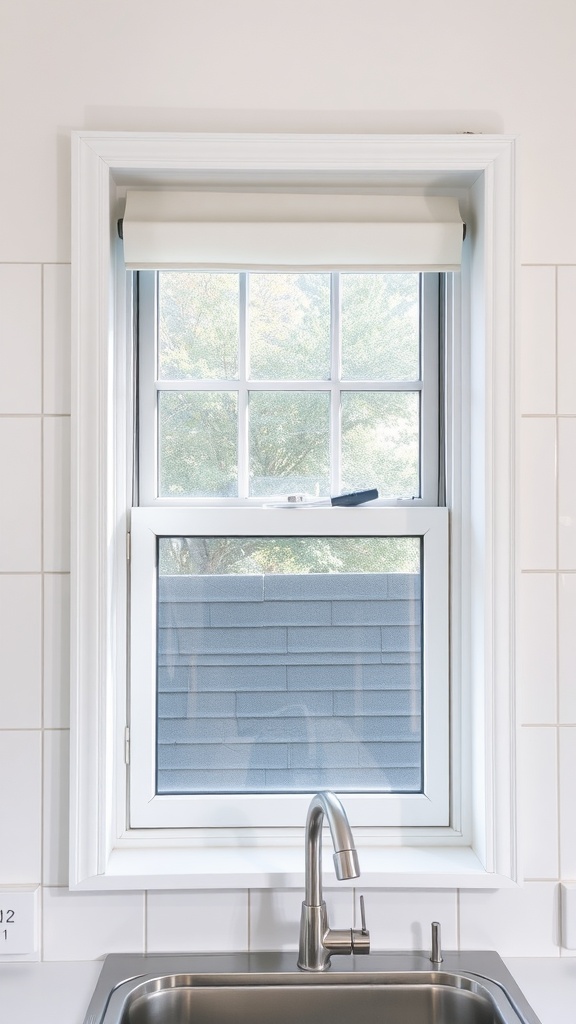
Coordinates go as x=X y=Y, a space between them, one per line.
x=21 y=494
x=538 y=780
x=56 y=494
x=56 y=650
x=537 y=499
x=56 y=306
x=87 y=925
x=55 y=805
x=21 y=338
x=521 y=921
x=20 y=806
x=567 y=340
x=567 y=647
x=197 y=922
x=21 y=651
x=566 y=493
x=402 y=918
x=536 y=647
x=567 y=740
x=537 y=342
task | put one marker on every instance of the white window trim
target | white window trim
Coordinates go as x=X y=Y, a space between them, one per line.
x=481 y=849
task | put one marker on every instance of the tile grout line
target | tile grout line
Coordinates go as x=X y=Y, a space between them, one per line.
x=557 y=582
x=43 y=612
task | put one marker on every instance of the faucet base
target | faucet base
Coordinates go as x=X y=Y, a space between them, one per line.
x=313 y=955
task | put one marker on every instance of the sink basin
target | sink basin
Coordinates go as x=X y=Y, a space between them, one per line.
x=395 y=988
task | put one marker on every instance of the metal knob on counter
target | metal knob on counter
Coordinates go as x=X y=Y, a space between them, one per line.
x=436 y=954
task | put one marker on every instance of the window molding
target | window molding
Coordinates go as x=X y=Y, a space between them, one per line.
x=481 y=169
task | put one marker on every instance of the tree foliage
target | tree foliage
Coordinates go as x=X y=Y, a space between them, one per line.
x=288 y=337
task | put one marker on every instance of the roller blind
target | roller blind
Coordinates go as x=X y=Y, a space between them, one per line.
x=258 y=231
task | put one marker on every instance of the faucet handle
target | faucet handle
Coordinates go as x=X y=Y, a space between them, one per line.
x=361 y=936
x=363 y=916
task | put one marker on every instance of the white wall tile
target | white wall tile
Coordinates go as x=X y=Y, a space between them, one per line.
x=402 y=918
x=87 y=925
x=56 y=494
x=567 y=738
x=56 y=651
x=20 y=807
x=537 y=498
x=20 y=646
x=566 y=339
x=56 y=781
x=539 y=801
x=522 y=921
x=21 y=338
x=538 y=340
x=197 y=922
x=56 y=314
x=275 y=916
x=566 y=493
x=536 y=647
x=567 y=647
x=20 y=495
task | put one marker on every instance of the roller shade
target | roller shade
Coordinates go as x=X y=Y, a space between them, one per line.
x=284 y=231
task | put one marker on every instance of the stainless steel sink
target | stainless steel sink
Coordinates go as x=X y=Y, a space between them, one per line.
x=258 y=988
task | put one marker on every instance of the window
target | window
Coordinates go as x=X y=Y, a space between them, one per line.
x=295 y=649
x=471 y=831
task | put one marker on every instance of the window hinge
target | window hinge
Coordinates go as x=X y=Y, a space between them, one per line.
x=127 y=741
x=128 y=546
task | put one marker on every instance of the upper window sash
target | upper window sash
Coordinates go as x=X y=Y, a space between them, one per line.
x=150 y=387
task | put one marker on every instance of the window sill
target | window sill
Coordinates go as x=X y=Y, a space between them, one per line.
x=438 y=867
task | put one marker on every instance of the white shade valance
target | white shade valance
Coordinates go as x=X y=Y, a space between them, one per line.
x=286 y=231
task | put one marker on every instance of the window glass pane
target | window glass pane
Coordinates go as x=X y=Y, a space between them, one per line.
x=197 y=443
x=289 y=442
x=289 y=664
x=197 y=326
x=380 y=442
x=289 y=326
x=380 y=326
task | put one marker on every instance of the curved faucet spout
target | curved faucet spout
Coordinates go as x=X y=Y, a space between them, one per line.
x=318 y=942
x=345 y=856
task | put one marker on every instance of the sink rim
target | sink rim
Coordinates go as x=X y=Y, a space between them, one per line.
x=481 y=972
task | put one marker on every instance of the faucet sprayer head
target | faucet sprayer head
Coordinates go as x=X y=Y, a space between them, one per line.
x=346 y=864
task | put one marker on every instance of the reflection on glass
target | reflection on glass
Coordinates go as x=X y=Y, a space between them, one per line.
x=197 y=444
x=289 y=664
x=289 y=326
x=197 y=326
x=289 y=442
x=381 y=442
x=380 y=326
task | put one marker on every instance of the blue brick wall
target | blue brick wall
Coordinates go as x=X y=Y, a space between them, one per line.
x=289 y=682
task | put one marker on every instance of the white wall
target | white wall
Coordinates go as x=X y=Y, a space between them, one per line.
x=278 y=65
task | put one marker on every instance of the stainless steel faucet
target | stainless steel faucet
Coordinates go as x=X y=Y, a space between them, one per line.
x=318 y=942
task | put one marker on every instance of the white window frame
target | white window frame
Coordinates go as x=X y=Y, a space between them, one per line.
x=479 y=848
